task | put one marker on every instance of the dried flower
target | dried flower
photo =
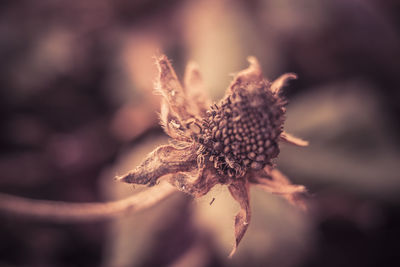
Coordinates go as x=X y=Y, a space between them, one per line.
x=231 y=143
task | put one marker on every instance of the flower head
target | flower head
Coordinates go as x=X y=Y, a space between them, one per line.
x=232 y=142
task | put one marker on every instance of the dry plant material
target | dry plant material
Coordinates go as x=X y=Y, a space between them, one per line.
x=67 y=212
x=232 y=143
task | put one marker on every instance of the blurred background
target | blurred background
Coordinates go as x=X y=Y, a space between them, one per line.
x=77 y=107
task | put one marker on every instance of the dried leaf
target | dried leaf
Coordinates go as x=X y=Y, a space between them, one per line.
x=162 y=161
x=239 y=190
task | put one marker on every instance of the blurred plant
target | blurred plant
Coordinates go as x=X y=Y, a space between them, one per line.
x=232 y=143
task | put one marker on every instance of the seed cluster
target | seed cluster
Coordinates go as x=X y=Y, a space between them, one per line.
x=241 y=132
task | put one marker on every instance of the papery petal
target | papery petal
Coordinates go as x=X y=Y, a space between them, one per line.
x=275 y=182
x=252 y=73
x=162 y=161
x=249 y=78
x=195 y=91
x=170 y=87
x=171 y=124
x=196 y=183
x=239 y=190
x=280 y=82
x=290 y=139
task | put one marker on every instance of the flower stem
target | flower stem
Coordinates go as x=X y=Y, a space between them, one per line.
x=67 y=212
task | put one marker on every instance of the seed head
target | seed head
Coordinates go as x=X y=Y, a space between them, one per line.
x=242 y=131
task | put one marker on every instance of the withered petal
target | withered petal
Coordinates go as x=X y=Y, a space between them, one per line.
x=239 y=190
x=162 y=161
x=249 y=77
x=171 y=89
x=281 y=81
x=291 y=139
x=275 y=182
x=253 y=72
x=170 y=123
x=194 y=89
x=196 y=183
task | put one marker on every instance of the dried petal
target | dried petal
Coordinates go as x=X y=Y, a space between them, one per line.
x=290 y=139
x=248 y=79
x=275 y=182
x=170 y=87
x=195 y=91
x=251 y=74
x=240 y=192
x=277 y=85
x=196 y=183
x=163 y=160
x=170 y=124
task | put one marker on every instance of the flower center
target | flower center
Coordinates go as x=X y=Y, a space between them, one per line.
x=241 y=132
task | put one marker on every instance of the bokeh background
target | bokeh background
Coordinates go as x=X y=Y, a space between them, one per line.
x=77 y=107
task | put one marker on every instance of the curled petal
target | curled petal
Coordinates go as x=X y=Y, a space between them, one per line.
x=170 y=87
x=277 y=85
x=239 y=190
x=249 y=78
x=253 y=72
x=196 y=183
x=171 y=124
x=162 y=161
x=275 y=182
x=194 y=89
x=290 y=139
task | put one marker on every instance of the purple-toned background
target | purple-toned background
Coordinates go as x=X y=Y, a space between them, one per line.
x=77 y=108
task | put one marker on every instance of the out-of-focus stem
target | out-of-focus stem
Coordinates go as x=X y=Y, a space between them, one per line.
x=67 y=212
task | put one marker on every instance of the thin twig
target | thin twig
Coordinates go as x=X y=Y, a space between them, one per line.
x=67 y=212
